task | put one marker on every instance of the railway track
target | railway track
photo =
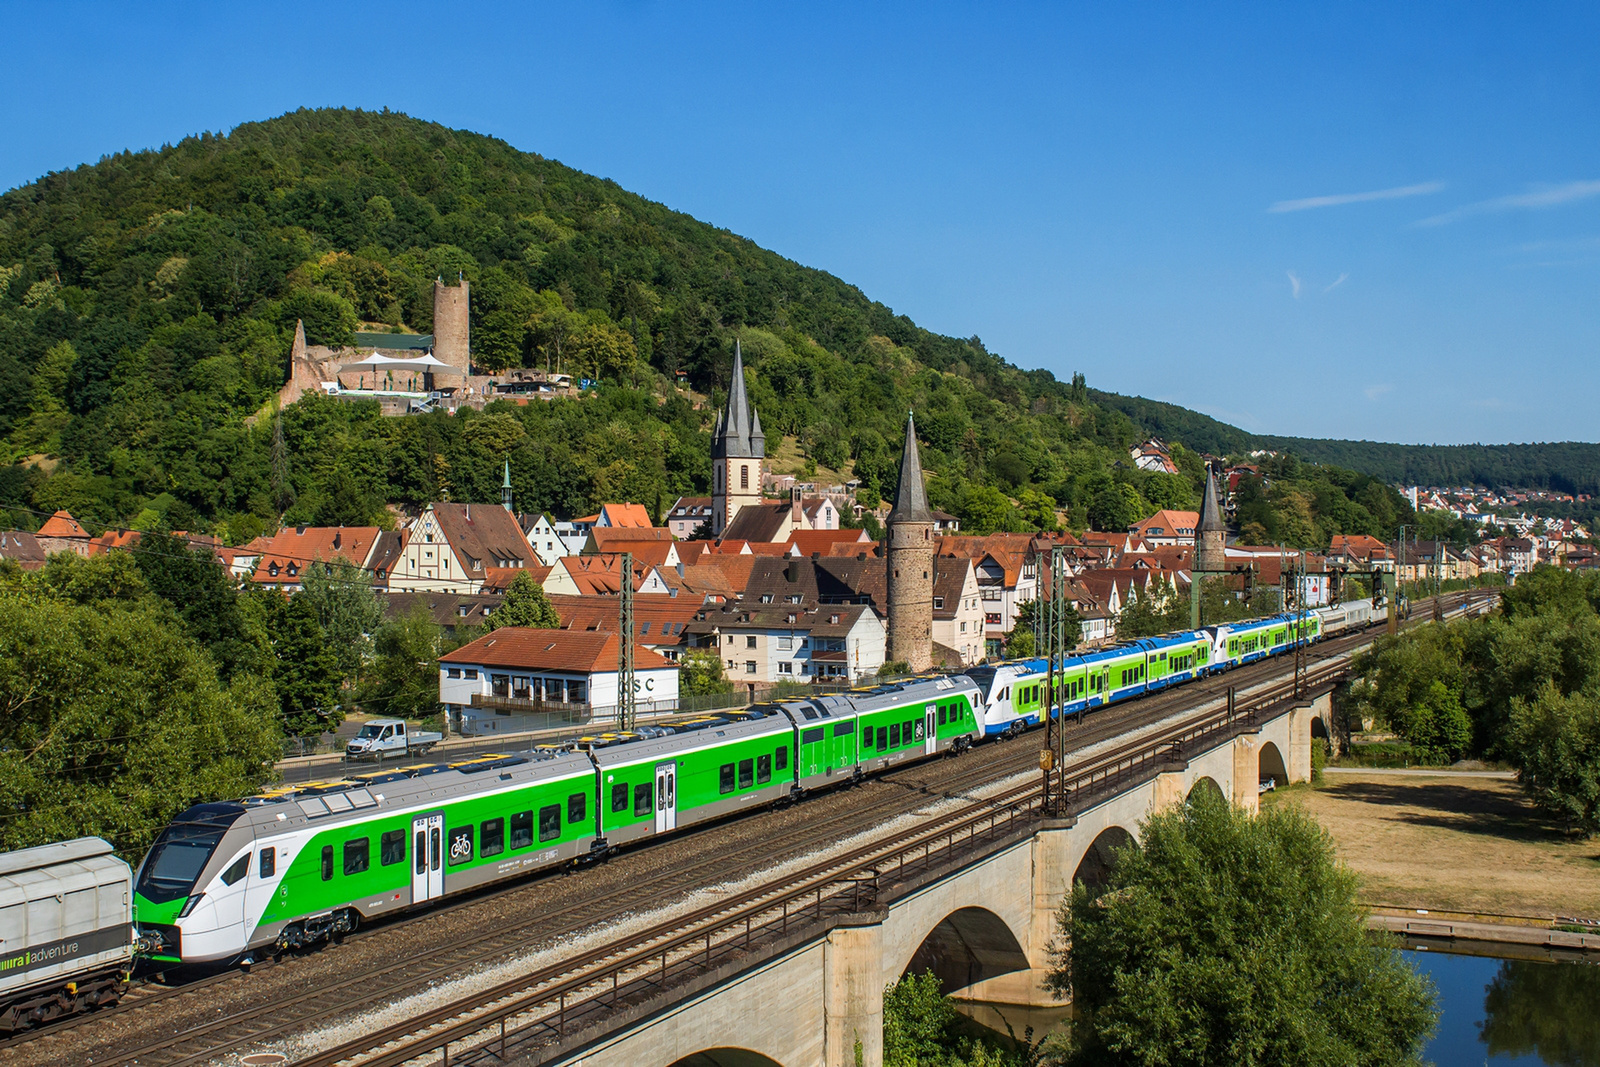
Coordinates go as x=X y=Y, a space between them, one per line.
x=529 y=1012
x=943 y=780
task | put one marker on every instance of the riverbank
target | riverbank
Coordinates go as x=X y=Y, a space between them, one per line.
x=1467 y=843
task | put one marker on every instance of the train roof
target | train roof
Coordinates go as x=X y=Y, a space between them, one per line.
x=287 y=806
x=75 y=851
x=44 y=872
x=639 y=749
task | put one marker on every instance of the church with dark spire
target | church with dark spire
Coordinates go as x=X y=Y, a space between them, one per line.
x=738 y=451
x=910 y=563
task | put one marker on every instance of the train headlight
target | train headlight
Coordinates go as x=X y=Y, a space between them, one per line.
x=189 y=905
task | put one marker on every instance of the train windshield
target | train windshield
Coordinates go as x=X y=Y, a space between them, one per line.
x=176 y=860
x=982 y=677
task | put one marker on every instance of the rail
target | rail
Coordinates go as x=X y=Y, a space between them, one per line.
x=556 y=999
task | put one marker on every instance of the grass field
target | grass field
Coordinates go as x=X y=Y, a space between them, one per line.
x=1452 y=843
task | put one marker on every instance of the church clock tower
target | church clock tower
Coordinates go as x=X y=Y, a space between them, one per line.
x=737 y=450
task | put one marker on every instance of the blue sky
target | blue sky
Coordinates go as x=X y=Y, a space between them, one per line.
x=1374 y=221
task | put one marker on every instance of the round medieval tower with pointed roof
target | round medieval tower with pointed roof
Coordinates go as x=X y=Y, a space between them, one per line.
x=910 y=562
x=1211 y=537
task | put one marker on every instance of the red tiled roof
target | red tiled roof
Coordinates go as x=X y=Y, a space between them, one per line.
x=626 y=516
x=666 y=616
x=1170 y=523
x=809 y=541
x=523 y=648
x=482 y=538
x=61 y=524
x=296 y=546
x=621 y=539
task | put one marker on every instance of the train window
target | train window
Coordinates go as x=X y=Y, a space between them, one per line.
x=577 y=807
x=550 y=817
x=236 y=870
x=392 y=847
x=643 y=801
x=844 y=729
x=894 y=736
x=783 y=759
x=269 y=862
x=327 y=863
x=421 y=852
x=747 y=773
x=619 y=797
x=492 y=837
x=460 y=844
x=811 y=736
x=866 y=738
x=905 y=732
x=883 y=738
x=944 y=714
x=725 y=778
x=763 y=769
x=357 y=855
x=522 y=826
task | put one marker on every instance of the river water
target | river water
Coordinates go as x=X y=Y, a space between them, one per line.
x=1493 y=1010
x=1530 y=1010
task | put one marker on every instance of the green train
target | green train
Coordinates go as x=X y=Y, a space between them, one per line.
x=296 y=865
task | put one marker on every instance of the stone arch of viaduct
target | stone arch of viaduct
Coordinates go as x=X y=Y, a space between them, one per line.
x=987 y=930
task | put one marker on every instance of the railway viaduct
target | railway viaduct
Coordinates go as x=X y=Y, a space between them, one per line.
x=985 y=927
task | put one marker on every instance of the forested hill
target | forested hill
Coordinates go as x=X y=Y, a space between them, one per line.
x=147 y=303
x=1564 y=466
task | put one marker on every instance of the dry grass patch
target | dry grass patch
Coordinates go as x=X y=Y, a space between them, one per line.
x=1453 y=844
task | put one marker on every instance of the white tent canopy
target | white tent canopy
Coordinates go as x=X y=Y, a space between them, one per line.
x=378 y=361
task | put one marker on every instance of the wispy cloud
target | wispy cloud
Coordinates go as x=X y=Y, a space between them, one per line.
x=1340 y=280
x=1294 y=283
x=1375 y=391
x=1339 y=199
x=1533 y=200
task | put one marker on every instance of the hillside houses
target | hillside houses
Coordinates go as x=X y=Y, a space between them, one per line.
x=452 y=548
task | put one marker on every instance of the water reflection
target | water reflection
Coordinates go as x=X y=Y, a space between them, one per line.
x=1541 y=1009
x=1550 y=1011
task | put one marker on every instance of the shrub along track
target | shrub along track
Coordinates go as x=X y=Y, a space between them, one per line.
x=813 y=826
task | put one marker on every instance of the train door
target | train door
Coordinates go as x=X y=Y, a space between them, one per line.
x=930 y=730
x=227 y=895
x=666 y=797
x=427 y=857
x=263 y=882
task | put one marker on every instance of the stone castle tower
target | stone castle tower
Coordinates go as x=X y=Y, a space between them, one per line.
x=738 y=449
x=911 y=549
x=452 y=333
x=1211 y=536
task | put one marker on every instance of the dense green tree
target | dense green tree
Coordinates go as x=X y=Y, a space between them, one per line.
x=525 y=605
x=148 y=303
x=921 y=1028
x=700 y=674
x=202 y=595
x=402 y=676
x=305 y=670
x=115 y=719
x=347 y=609
x=1228 y=939
x=1152 y=612
x=1555 y=745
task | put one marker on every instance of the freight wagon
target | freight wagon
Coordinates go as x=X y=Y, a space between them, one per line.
x=66 y=930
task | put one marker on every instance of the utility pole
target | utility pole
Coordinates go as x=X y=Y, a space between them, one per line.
x=1058 y=589
x=1300 y=624
x=625 y=696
